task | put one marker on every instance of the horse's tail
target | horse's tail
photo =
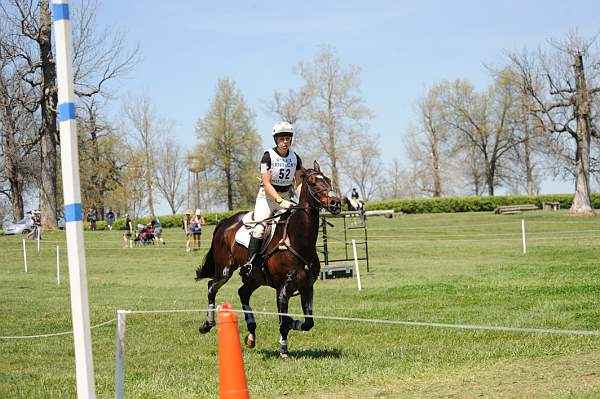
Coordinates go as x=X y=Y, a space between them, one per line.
x=208 y=263
x=208 y=266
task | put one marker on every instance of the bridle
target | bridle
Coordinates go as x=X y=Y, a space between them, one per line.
x=314 y=194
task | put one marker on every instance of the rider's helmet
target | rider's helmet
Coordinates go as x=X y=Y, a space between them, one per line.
x=282 y=129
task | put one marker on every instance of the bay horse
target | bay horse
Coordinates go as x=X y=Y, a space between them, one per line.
x=289 y=263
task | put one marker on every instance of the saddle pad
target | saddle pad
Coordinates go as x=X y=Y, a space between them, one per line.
x=242 y=236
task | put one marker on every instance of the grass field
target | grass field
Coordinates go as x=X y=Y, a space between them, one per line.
x=444 y=268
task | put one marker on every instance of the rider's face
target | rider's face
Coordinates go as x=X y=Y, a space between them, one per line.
x=284 y=142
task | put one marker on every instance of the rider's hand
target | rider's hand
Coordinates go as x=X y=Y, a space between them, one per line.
x=285 y=204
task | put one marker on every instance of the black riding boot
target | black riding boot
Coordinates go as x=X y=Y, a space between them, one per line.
x=253 y=247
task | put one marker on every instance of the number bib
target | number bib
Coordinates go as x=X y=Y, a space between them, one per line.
x=283 y=169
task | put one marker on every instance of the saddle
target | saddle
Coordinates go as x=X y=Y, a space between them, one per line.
x=242 y=236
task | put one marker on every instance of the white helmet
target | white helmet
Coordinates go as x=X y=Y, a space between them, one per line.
x=282 y=127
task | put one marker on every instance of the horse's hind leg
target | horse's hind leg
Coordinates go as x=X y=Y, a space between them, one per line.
x=245 y=292
x=213 y=287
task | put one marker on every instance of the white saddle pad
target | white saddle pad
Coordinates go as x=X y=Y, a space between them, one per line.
x=242 y=236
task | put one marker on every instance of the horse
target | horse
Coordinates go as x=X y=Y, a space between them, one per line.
x=288 y=263
x=354 y=204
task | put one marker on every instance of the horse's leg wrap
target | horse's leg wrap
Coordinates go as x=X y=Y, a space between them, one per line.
x=297 y=325
x=283 y=347
x=210 y=315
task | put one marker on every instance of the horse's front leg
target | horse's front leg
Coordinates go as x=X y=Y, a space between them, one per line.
x=285 y=322
x=245 y=292
x=306 y=296
x=213 y=287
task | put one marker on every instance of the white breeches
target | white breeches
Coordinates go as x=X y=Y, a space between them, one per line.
x=265 y=207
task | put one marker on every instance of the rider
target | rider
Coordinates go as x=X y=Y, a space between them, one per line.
x=277 y=170
x=354 y=194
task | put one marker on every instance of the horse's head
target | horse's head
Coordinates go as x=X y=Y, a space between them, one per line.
x=319 y=189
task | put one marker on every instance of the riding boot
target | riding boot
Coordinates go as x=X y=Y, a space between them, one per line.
x=253 y=248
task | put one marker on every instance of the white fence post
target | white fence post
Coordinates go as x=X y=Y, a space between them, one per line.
x=69 y=152
x=120 y=356
x=25 y=255
x=57 y=265
x=358 y=282
x=523 y=234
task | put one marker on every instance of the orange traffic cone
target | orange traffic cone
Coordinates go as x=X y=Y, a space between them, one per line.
x=232 y=379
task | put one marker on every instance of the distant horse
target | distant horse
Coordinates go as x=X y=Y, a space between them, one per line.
x=354 y=204
x=289 y=263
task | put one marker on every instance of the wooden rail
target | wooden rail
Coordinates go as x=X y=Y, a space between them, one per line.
x=510 y=209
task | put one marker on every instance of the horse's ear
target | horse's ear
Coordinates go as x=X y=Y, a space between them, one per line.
x=316 y=166
x=300 y=174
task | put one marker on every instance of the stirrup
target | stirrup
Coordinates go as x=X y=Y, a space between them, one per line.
x=246 y=269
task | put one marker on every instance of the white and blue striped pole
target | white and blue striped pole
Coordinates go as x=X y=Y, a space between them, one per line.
x=82 y=336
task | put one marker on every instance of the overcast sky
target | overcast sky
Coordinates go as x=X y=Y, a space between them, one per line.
x=401 y=47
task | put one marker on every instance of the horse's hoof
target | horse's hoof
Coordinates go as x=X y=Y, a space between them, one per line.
x=283 y=355
x=206 y=327
x=250 y=341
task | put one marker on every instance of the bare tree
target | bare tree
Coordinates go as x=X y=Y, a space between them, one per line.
x=170 y=174
x=335 y=115
x=143 y=119
x=362 y=167
x=483 y=121
x=563 y=104
x=429 y=146
x=289 y=107
x=30 y=49
x=18 y=144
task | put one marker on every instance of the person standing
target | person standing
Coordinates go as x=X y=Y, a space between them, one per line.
x=278 y=167
x=196 y=228
x=36 y=225
x=187 y=218
x=110 y=219
x=128 y=235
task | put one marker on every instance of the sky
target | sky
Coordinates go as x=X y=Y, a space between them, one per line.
x=401 y=47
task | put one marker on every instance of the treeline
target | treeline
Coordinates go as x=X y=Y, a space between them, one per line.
x=537 y=119
x=474 y=203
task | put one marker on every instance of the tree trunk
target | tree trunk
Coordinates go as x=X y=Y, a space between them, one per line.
x=11 y=157
x=528 y=166
x=435 y=165
x=582 y=204
x=229 y=189
x=49 y=133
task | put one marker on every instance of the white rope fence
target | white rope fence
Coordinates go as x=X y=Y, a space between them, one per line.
x=54 y=334
x=339 y=318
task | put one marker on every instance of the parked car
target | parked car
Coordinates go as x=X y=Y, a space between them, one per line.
x=61 y=223
x=23 y=226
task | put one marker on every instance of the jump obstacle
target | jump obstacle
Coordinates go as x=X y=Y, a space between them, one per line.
x=336 y=265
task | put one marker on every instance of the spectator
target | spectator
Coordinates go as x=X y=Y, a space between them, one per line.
x=127 y=236
x=187 y=229
x=156 y=229
x=91 y=218
x=196 y=228
x=110 y=219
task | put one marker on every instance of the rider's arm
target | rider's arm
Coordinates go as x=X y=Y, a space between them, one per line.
x=269 y=189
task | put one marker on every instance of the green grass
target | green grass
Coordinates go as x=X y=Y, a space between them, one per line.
x=445 y=268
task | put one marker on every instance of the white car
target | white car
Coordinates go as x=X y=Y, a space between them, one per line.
x=23 y=226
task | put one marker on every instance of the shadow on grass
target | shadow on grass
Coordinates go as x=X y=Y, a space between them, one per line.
x=304 y=354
